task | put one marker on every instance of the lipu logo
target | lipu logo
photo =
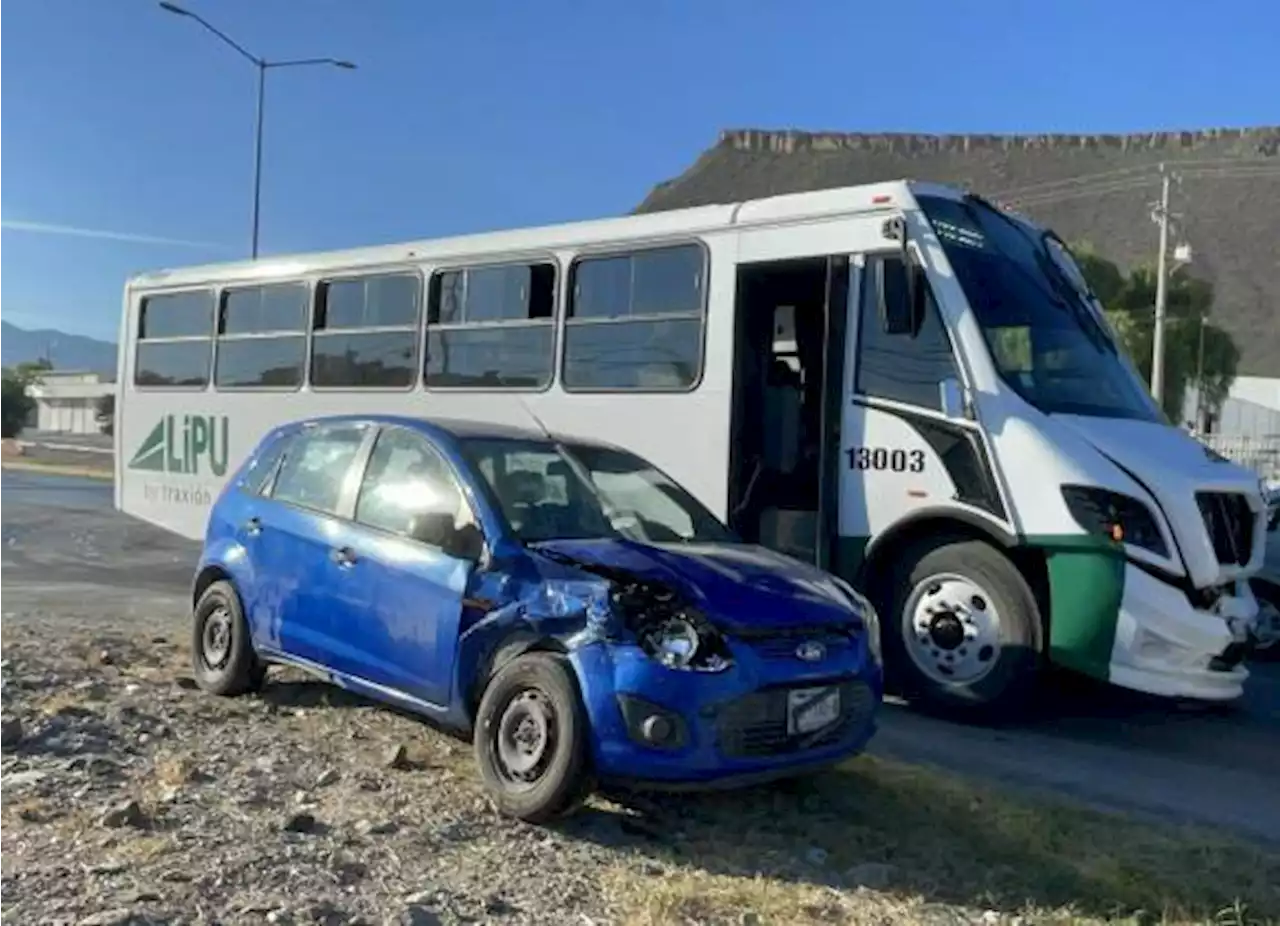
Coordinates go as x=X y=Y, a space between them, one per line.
x=184 y=444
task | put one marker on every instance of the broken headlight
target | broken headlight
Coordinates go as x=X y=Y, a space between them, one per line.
x=679 y=642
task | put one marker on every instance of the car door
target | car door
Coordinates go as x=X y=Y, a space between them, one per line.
x=413 y=588
x=301 y=532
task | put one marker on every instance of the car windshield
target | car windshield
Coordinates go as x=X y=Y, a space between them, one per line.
x=1036 y=316
x=553 y=491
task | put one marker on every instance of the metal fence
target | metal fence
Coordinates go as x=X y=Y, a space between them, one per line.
x=1261 y=453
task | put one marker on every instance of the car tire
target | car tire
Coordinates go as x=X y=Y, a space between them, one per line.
x=1267 y=644
x=531 y=739
x=991 y=637
x=222 y=655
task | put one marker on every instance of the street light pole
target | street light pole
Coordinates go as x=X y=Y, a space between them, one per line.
x=261 y=64
x=257 y=157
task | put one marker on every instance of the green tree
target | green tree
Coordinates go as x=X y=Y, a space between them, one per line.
x=1130 y=303
x=105 y=413
x=30 y=371
x=15 y=404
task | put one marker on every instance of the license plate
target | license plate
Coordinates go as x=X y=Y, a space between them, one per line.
x=810 y=709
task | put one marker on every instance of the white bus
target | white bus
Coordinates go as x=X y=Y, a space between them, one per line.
x=898 y=381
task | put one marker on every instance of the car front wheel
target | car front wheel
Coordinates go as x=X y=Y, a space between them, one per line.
x=531 y=739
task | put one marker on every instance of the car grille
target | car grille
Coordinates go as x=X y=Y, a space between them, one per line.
x=1230 y=524
x=783 y=646
x=755 y=725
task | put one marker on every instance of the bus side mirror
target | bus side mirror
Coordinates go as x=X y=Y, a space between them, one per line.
x=901 y=287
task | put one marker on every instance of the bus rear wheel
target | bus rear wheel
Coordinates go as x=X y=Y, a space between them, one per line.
x=963 y=632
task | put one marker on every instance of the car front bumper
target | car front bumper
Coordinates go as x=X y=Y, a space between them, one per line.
x=729 y=728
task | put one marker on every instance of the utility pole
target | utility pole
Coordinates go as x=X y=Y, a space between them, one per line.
x=1200 y=375
x=1157 y=347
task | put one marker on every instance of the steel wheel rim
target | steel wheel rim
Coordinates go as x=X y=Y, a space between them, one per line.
x=1268 y=634
x=951 y=629
x=215 y=638
x=524 y=739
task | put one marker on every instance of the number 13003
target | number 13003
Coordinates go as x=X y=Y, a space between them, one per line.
x=899 y=461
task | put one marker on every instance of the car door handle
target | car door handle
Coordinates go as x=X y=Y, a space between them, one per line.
x=343 y=556
x=253 y=527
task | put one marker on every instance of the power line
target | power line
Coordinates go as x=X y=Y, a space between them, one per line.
x=1181 y=165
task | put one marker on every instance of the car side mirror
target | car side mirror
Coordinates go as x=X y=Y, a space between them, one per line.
x=901 y=288
x=437 y=529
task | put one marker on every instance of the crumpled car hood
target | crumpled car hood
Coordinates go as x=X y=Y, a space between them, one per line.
x=740 y=588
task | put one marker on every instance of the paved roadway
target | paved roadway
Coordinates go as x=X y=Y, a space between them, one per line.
x=67 y=556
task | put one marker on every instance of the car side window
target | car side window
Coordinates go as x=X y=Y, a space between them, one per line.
x=407 y=478
x=316 y=467
x=257 y=475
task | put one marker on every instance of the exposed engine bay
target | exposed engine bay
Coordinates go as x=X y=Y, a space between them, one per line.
x=665 y=625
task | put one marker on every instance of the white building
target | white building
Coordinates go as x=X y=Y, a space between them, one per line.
x=67 y=401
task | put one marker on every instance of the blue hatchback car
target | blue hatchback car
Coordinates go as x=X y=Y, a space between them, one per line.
x=564 y=602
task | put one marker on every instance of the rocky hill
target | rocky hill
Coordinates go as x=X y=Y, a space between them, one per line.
x=1093 y=187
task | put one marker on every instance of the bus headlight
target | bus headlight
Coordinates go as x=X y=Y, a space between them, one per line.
x=1119 y=518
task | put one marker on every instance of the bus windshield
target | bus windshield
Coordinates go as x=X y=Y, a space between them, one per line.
x=550 y=491
x=1034 y=309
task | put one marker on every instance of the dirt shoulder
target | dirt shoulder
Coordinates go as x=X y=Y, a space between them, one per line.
x=130 y=797
x=58 y=462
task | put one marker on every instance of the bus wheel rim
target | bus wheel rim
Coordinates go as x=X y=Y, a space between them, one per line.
x=951 y=629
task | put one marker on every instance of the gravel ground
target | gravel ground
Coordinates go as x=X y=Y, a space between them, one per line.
x=130 y=797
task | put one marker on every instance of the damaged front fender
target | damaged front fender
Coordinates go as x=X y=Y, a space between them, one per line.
x=552 y=615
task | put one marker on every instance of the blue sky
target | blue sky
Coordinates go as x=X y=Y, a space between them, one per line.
x=124 y=120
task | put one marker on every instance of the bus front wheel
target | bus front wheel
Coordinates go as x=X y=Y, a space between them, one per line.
x=963 y=633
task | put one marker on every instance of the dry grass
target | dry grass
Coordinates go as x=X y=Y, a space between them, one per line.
x=792 y=857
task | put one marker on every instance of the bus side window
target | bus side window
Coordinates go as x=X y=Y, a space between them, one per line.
x=365 y=332
x=175 y=340
x=492 y=327
x=901 y=367
x=635 y=321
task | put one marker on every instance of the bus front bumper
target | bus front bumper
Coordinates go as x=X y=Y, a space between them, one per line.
x=1166 y=646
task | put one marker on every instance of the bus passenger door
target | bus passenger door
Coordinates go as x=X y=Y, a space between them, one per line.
x=788 y=380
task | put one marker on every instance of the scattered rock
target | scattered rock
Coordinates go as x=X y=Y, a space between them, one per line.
x=325 y=914
x=118 y=916
x=10 y=732
x=871 y=875
x=381 y=828
x=397 y=757
x=414 y=915
x=127 y=814
x=21 y=779
x=301 y=823
x=329 y=776
x=495 y=905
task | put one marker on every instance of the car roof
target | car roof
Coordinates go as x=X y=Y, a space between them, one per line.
x=457 y=428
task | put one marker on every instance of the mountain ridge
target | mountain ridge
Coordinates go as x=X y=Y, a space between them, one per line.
x=68 y=352
x=1095 y=187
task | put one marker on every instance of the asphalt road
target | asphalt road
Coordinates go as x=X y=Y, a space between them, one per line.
x=69 y=558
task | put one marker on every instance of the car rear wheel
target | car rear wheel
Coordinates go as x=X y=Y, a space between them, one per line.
x=531 y=739
x=222 y=654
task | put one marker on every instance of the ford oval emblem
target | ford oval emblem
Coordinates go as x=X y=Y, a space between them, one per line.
x=811 y=651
